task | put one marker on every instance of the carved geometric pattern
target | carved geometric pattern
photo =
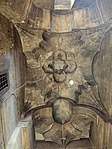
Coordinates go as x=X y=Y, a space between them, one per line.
x=61 y=66
x=65 y=79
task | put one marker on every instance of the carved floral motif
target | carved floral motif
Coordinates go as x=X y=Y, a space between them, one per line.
x=70 y=63
x=60 y=66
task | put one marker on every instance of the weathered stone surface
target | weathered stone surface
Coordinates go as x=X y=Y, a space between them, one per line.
x=102 y=70
x=12 y=61
x=61 y=65
x=60 y=21
x=62 y=111
x=22 y=136
x=63 y=4
x=1 y=132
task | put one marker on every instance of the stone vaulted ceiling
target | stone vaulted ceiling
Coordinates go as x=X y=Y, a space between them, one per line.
x=61 y=53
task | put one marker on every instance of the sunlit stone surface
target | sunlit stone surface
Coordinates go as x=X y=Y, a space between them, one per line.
x=63 y=4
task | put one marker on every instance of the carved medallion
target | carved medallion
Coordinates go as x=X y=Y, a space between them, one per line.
x=60 y=66
x=62 y=111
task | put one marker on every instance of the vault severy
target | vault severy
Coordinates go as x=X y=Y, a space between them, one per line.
x=55 y=116
x=63 y=71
